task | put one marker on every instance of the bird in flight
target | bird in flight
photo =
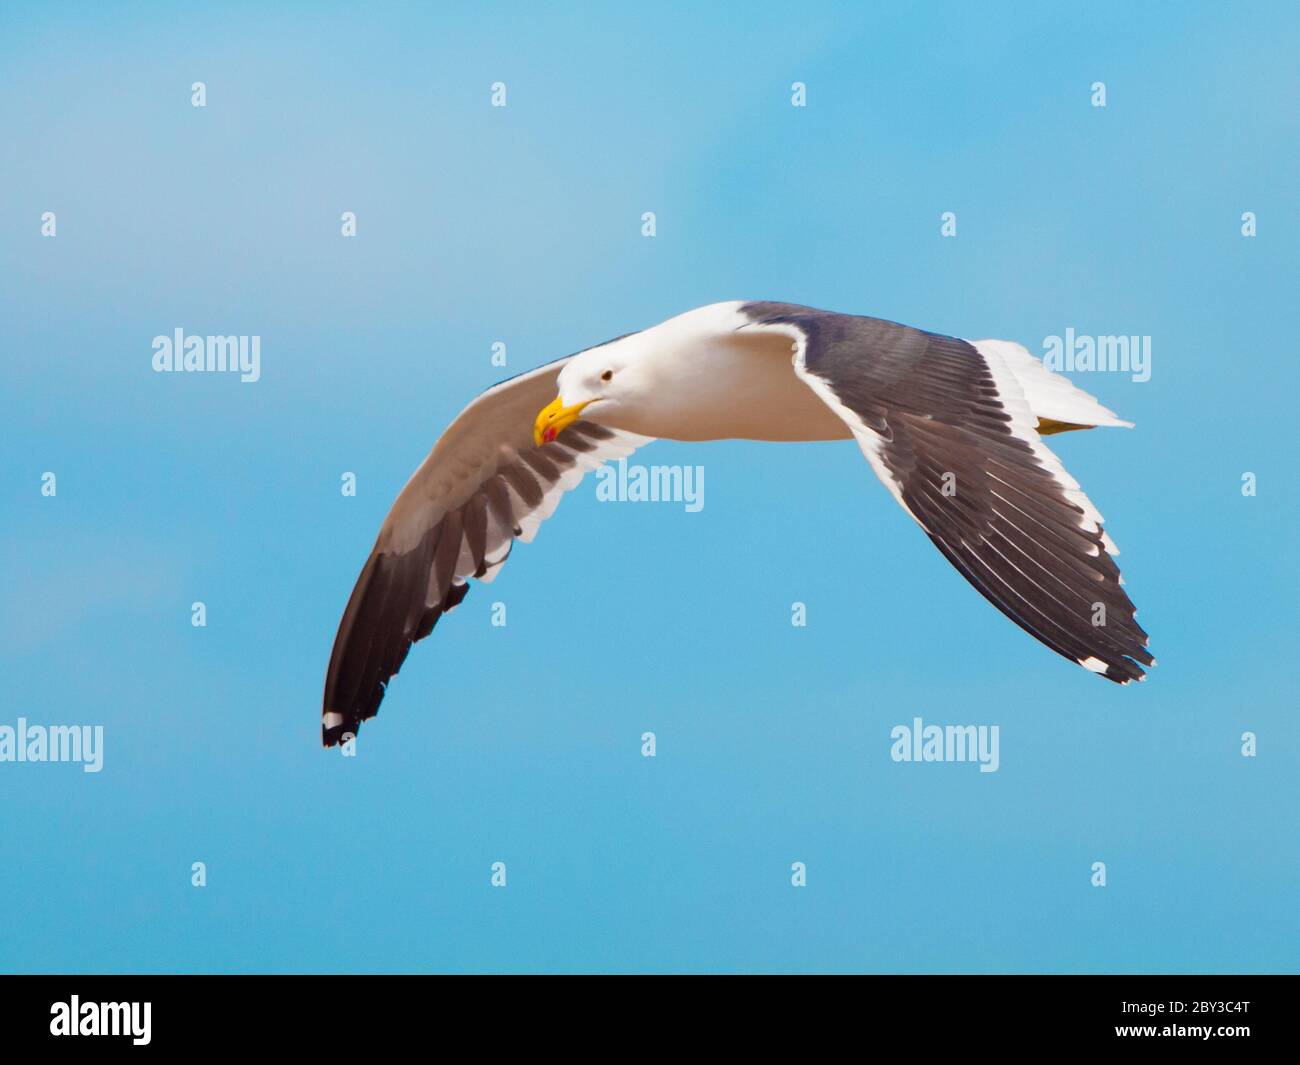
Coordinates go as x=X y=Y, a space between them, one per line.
x=954 y=429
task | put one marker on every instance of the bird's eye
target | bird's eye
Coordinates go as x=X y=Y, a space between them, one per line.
x=608 y=375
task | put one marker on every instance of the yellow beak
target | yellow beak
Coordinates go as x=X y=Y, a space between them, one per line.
x=553 y=419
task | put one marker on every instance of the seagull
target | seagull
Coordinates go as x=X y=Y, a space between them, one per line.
x=954 y=429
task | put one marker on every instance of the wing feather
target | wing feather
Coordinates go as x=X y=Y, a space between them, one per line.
x=483 y=486
x=950 y=429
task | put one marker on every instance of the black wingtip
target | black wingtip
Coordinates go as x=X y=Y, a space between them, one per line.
x=335 y=735
x=374 y=638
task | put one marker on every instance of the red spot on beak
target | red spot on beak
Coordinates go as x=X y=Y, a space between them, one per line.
x=548 y=434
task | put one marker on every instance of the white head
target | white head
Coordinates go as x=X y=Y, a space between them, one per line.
x=636 y=382
x=599 y=384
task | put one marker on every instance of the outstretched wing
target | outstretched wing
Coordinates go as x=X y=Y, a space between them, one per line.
x=483 y=486
x=947 y=427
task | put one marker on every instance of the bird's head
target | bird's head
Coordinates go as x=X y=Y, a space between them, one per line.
x=596 y=384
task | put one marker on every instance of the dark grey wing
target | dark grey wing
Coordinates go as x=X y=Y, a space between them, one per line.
x=946 y=426
x=483 y=486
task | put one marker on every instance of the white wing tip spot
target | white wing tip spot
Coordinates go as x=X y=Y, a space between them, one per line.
x=332 y=719
x=1093 y=663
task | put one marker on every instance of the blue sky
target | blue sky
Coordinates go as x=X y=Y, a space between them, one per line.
x=522 y=744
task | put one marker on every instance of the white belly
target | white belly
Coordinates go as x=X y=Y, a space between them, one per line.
x=744 y=389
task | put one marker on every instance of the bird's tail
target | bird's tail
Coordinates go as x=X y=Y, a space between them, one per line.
x=1058 y=404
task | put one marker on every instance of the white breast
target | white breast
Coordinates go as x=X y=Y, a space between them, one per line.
x=703 y=380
